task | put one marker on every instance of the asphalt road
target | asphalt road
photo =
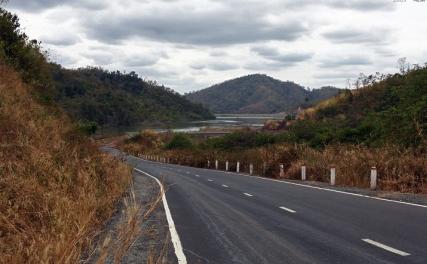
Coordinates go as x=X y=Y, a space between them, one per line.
x=224 y=217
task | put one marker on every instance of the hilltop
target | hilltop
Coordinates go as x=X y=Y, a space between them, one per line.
x=258 y=93
x=115 y=99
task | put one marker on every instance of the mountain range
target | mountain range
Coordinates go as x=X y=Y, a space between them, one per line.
x=258 y=94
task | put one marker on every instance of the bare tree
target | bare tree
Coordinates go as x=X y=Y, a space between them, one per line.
x=403 y=65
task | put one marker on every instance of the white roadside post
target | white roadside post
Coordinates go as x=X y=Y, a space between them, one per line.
x=251 y=169
x=264 y=168
x=282 y=171
x=216 y=164
x=374 y=175
x=238 y=167
x=209 y=164
x=333 y=175
x=226 y=165
x=303 y=172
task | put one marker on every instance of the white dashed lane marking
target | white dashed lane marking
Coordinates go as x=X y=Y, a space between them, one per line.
x=225 y=186
x=287 y=209
x=210 y=180
x=248 y=194
x=385 y=247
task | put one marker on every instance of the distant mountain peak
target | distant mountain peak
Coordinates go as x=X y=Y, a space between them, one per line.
x=258 y=94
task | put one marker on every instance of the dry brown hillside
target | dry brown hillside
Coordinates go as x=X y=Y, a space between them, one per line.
x=56 y=188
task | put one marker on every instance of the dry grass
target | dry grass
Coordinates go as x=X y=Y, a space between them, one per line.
x=399 y=169
x=402 y=170
x=56 y=188
x=121 y=238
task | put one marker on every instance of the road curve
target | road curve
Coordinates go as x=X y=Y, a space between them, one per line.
x=229 y=218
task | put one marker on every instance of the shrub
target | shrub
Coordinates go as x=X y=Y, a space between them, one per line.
x=180 y=141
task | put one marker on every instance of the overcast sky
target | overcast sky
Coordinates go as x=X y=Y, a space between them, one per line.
x=191 y=44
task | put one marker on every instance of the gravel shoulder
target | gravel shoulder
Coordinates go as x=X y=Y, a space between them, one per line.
x=152 y=243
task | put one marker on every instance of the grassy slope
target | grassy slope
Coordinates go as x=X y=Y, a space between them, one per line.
x=56 y=188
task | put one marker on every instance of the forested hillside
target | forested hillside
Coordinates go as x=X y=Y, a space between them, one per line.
x=389 y=109
x=117 y=99
x=258 y=94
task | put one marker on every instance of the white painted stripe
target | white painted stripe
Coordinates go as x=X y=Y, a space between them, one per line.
x=197 y=175
x=313 y=187
x=225 y=186
x=248 y=194
x=287 y=209
x=210 y=180
x=179 y=252
x=385 y=247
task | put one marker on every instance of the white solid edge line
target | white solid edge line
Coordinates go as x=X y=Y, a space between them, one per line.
x=385 y=247
x=179 y=252
x=287 y=209
x=313 y=187
x=248 y=194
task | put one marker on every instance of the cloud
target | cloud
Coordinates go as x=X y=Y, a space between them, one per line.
x=197 y=66
x=216 y=26
x=363 y=5
x=222 y=66
x=282 y=59
x=348 y=35
x=34 y=6
x=345 y=61
x=60 y=39
x=356 y=5
x=185 y=43
x=139 y=61
x=218 y=53
x=335 y=75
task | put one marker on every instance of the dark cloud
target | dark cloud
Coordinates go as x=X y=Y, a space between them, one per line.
x=222 y=66
x=38 y=5
x=208 y=27
x=346 y=35
x=139 y=61
x=60 y=39
x=282 y=59
x=363 y=5
x=345 y=61
x=357 y=5
x=218 y=53
x=197 y=66
x=335 y=75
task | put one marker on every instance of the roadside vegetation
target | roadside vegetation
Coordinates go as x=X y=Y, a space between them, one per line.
x=57 y=190
x=382 y=123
